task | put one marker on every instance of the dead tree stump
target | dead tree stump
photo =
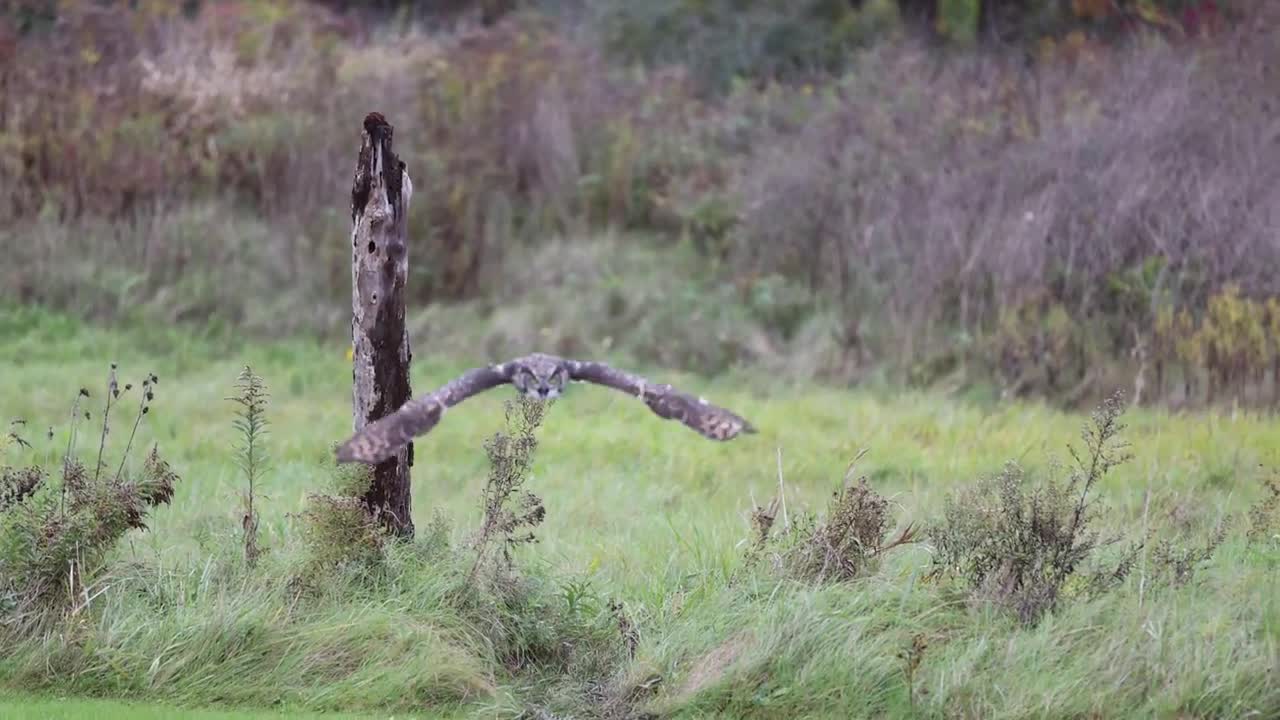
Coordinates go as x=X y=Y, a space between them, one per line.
x=380 y=342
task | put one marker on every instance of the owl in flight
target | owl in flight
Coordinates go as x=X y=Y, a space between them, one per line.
x=541 y=377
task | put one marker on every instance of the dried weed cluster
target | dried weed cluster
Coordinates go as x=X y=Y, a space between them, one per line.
x=57 y=527
x=845 y=544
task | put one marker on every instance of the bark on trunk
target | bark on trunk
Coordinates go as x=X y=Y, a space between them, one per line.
x=380 y=342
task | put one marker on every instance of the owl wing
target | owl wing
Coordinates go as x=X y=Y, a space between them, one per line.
x=708 y=420
x=383 y=437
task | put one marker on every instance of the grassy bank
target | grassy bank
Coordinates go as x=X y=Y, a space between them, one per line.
x=648 y=515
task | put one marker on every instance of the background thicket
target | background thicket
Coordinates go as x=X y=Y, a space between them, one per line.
x=1048 y=198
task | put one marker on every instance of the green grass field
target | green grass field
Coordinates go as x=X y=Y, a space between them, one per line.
x=647 y=513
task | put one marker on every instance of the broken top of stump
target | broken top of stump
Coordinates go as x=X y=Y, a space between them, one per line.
x=384 y=165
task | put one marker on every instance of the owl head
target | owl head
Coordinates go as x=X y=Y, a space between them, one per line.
x=541 y=378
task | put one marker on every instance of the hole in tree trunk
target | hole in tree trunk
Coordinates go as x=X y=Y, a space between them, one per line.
x=372 y=246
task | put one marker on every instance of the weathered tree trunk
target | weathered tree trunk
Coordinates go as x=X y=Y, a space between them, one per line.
x=380 y=342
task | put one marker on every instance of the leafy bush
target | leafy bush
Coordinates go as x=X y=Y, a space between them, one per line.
x=1018 y=543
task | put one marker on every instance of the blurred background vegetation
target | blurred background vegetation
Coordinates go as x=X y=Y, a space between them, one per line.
x=1045 y=198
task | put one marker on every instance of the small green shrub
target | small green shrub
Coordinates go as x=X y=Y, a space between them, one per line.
x=251 y=455
x=509 y=514
x=530 y=625
x=340 y=537
x=1176 y=563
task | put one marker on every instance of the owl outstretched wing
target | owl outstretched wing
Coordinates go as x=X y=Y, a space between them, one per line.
x=383 y=437
x=708 y=420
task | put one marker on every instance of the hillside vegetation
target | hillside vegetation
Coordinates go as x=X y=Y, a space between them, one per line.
x=1051 y=202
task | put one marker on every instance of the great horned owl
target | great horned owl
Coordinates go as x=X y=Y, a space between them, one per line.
x=541 y=377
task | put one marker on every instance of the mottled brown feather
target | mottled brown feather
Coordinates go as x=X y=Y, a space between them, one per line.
x=708 y=420
x=380 y=439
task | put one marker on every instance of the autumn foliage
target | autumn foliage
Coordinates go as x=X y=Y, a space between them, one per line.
x=1056 y=219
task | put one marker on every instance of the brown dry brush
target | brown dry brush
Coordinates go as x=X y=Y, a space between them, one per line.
x=18 y=484
x=13 y=435
x=190 y=117
x=55 y=534
x=845 y=544
x=951 y=216
x=854 y=535
x=181 y=106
